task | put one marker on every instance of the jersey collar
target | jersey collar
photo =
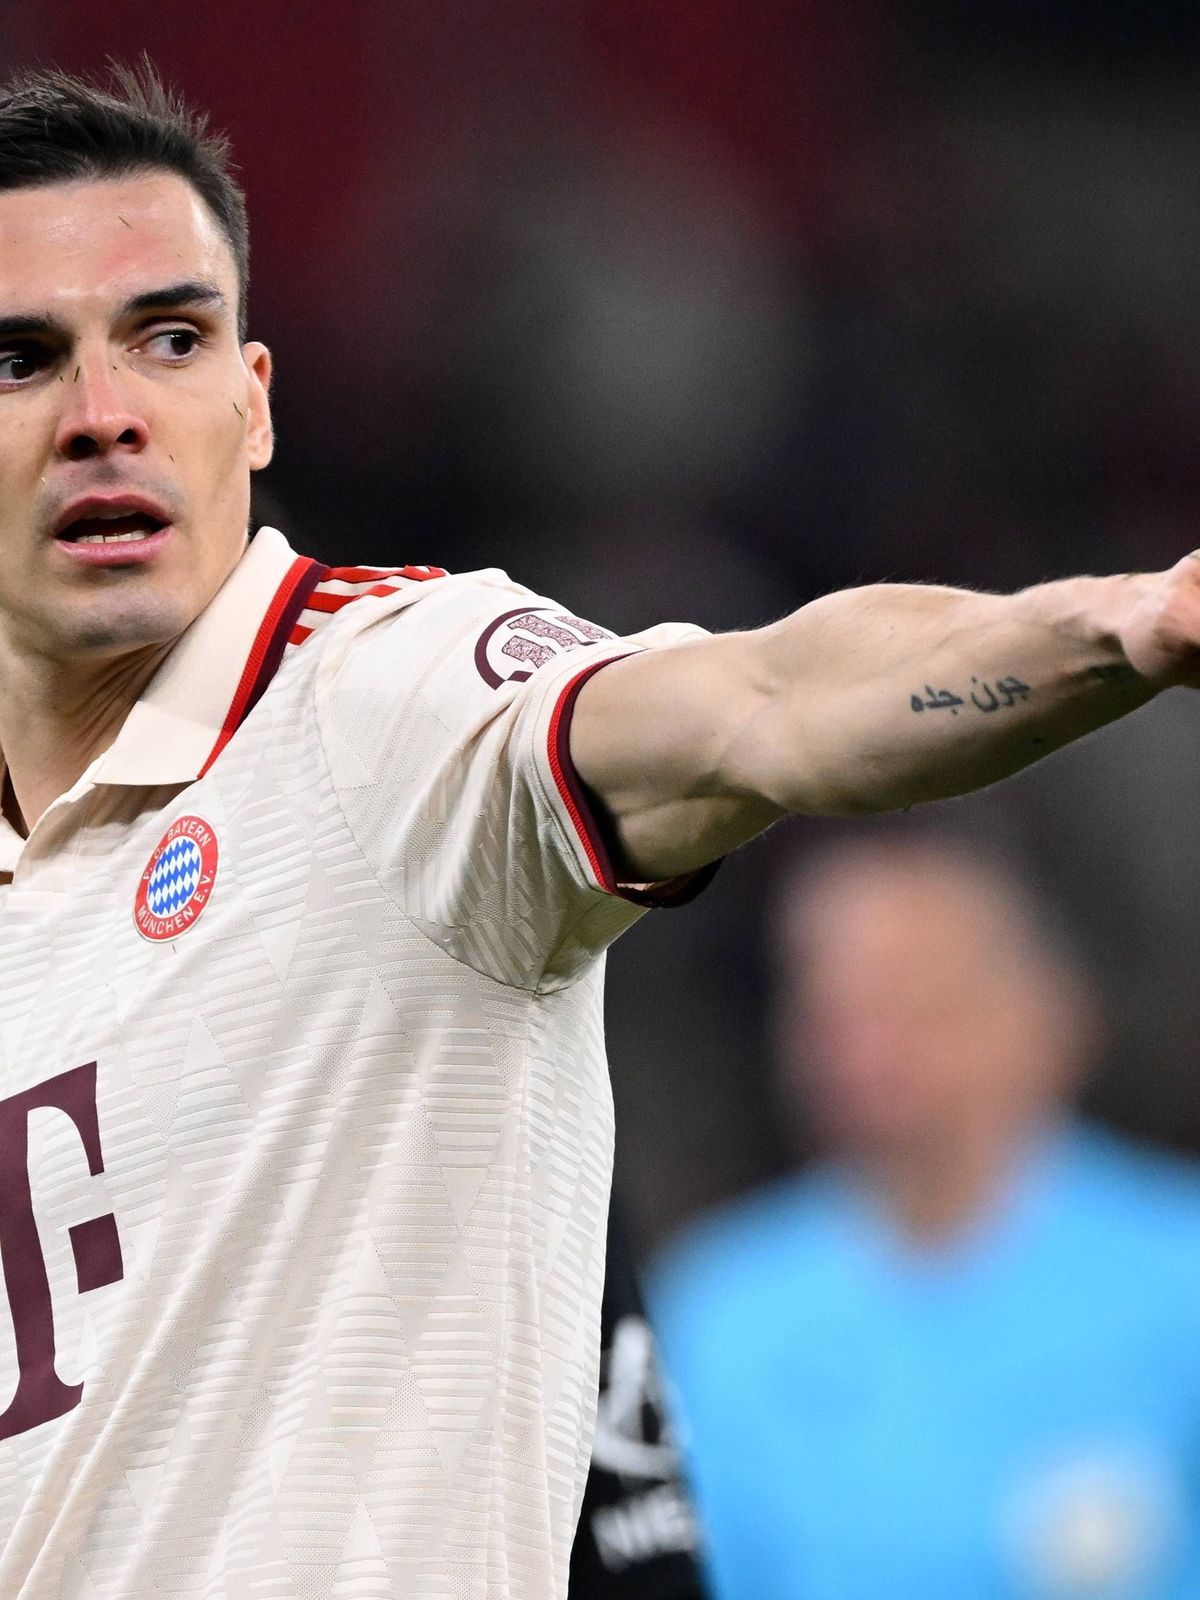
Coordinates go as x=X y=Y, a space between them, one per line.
x=217 y=672
x=206 y=687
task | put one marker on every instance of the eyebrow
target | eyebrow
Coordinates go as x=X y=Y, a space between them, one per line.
x=175 y=295
x=171 y=297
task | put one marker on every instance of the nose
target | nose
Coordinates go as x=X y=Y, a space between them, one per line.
x=98 y=418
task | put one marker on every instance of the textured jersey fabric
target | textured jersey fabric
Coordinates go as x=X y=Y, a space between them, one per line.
x=305 y=1126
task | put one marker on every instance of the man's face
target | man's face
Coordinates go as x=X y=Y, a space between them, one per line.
x=920 y=1011
x=127 y=407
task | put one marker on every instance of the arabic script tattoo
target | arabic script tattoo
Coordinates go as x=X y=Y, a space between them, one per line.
x=987 y=697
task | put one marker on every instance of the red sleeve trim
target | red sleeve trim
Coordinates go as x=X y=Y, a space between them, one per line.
x=266 y=652
x=671 y=892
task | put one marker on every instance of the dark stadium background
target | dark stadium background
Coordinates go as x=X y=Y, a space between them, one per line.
x=696 y=310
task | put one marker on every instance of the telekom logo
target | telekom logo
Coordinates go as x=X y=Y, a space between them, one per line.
x=41 y=1394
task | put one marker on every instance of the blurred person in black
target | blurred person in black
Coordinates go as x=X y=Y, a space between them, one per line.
x=638 y=1536
x=961 y=1355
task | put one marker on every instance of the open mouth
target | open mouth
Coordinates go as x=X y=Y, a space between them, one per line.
x=115 y=527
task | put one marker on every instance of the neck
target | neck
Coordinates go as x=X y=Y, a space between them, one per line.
x=56 y=718
x=938 y=1192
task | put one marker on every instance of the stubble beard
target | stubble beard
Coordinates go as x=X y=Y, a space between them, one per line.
x=105 y=627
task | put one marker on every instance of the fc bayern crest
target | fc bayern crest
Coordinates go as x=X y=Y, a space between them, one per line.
x=178 y=881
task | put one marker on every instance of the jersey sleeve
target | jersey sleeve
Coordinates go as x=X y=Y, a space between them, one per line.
x=446 y=724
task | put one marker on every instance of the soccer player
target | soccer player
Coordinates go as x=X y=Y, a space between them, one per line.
x=304 y=1122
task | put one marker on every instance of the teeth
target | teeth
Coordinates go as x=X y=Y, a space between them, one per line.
x=110 y=538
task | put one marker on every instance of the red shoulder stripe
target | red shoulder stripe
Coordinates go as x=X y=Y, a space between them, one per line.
x=419 y=574
x=319 y=600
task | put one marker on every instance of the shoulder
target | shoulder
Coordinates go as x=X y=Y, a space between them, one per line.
x=1139 y=1192
x=1123 y=1213
x=342 y=602
x=742 y=1252
x=331 y=591
x=481 y=630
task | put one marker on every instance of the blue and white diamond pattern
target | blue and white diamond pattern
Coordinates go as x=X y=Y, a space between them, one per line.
x=175 y=878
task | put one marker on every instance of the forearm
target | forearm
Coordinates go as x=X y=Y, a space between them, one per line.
x=884 y=697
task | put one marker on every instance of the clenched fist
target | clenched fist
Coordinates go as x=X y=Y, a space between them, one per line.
x=1161 y=634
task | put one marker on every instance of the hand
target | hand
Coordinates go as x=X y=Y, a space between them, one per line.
x=1160 y=633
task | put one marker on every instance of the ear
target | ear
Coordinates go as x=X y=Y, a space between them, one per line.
x=260 y=436
x=1082 y=1031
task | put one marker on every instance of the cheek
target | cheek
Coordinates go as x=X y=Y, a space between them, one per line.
x=26 y=505
x=26 y=445
x=211 y=460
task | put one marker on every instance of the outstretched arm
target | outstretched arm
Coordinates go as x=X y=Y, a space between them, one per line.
x=866 y=700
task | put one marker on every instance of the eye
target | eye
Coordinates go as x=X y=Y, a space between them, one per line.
x=173 y=345
x=20 y=363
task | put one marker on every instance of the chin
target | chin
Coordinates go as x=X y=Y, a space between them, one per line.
x=132 y=624
x=876 y=1135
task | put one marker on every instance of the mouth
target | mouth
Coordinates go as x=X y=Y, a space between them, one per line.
x=118 y=527
x=107 y=530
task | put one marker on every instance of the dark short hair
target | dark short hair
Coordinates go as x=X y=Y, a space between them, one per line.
x=55 y=128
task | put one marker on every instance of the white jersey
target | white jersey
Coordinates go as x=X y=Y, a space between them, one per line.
x=305 y=1126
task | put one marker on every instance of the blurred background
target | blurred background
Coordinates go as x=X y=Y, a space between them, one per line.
x=695 y=311
x=698 y=310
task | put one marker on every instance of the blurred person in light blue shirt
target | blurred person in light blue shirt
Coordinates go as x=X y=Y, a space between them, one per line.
x=959 y=1358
